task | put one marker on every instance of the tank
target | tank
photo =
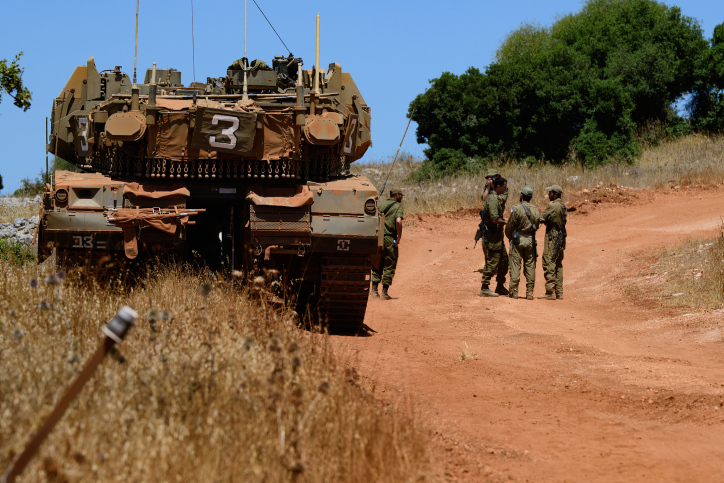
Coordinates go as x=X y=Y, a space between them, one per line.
x=247 y=172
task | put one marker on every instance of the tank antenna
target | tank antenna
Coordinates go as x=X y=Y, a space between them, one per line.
x=246 y=89
x=135 y=53
x=46 y=151
x=316 y=74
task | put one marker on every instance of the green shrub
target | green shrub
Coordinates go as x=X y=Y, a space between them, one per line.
x=16 y=252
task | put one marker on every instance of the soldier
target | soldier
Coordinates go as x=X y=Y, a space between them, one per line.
x=493 y=174
x=496 y=258
x=394 y=214
x=523 y=222
x=554 y=218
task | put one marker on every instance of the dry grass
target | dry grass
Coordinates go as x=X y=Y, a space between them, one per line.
x=688 y=161
x=693 y=274
x=212 y=388
x=9 y=210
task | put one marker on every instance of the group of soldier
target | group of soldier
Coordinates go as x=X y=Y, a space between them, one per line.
x=520 y=229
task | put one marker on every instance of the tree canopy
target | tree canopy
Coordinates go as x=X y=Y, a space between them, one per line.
x=575 y=90
x=11 y=81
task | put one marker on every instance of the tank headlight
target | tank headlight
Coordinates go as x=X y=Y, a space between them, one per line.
x=61 y=195
x=370 y=206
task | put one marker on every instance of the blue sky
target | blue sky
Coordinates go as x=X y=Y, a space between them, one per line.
x=391 y=49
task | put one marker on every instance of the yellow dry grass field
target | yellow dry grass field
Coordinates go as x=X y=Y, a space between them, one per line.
x=691 y=160
x=204 y=388
x=10 y=211
x=692 y=274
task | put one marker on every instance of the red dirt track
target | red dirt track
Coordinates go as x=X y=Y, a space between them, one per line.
x=601 y=386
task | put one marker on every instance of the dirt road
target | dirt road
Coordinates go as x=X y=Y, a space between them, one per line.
x=601 y=386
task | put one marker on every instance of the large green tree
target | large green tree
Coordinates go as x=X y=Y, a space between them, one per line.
x=11 y=81
x=707 y=102
x=577 y=89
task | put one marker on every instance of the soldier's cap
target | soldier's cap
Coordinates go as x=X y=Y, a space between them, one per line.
x=555 y=188
x=395 y=191
x=492 y=172
x=526 y=191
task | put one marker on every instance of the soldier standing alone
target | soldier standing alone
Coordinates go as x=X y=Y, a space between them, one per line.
x=554 y=218
x=394 y=214
x=496 y=258
x=523 y=222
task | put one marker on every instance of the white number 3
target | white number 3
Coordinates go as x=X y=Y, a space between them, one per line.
x=228 y=132
x=83 y=131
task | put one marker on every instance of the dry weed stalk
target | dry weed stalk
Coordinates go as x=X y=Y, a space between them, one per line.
x=211 y=388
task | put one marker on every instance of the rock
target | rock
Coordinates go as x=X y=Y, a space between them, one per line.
x=25 y=238
x=7 y=232
x=34 y=220
x=19 y=222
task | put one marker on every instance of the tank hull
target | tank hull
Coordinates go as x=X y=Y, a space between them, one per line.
x=316 y=235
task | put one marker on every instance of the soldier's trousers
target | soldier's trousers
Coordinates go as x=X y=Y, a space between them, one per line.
x=553 y=269
x=522 y=255
x=496 y=262
x=388 y=264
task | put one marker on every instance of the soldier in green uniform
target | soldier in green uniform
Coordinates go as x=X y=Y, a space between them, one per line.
x=496 y=258
x=554 y=218
x=523 y=221
x=394 y=214
x=493 y=174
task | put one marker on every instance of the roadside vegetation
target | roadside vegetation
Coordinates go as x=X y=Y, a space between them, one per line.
x=691 y=160
x=692 y=274
x=209 y=386
x=590 y=89
x=12 y=207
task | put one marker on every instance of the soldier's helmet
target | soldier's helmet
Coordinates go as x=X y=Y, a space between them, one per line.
x=492 y=172
x=556 y=189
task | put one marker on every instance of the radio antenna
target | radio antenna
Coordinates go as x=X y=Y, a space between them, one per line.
x=398 y=152
x=270 y=24
x=245 y=67
x=135 y=53
x=193 y=52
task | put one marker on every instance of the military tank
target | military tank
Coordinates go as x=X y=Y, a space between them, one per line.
x=248 y=171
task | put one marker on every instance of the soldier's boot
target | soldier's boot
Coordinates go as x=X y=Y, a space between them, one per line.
x=385 y=295
x=501 y=290
x=559 y=296
x=529 y=297
x=513 y=294
x=374 y=293
x=486 y=292
x=548 y=296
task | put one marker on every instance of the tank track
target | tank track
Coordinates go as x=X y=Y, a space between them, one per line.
x=343 y=294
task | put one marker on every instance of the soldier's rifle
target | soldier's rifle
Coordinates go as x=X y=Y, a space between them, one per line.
x=482 y=232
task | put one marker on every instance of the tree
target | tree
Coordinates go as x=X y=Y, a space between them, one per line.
x=706 y=106
x=1 y=182
x=575 y=90
x=11 y=81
